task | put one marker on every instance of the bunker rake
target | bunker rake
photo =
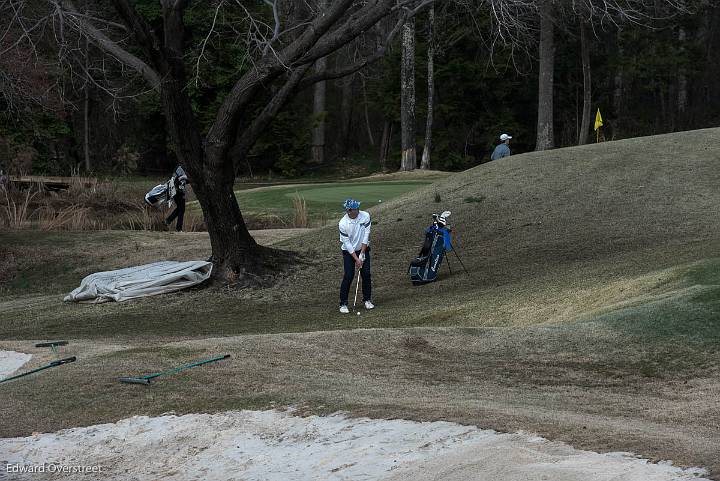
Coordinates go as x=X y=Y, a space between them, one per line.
x=59 y=362
x=146 y=379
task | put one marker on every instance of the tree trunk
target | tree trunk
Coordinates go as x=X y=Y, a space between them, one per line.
x=86 y=107
x=587 y=84
x=366 y=105
x=618 y=89
x=706 y=99
x=407 y=97
x=86 y=127
x=425 y=164
x=319 y=114
x=234 y=252
x=385 y=144
x=545 y=133
x=236 y=255
x=682 y=95
x=346 y=113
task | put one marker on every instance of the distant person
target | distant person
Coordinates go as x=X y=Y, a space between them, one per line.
x=503 y=148
x=355 y=240
x=176 y=192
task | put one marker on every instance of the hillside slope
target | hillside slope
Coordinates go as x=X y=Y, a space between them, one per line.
x=578 y=216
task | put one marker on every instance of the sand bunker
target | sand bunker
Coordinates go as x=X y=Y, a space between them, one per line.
x=11 y=361
x=272 y=445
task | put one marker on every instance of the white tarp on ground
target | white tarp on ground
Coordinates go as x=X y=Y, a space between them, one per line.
x=276 y=446
x=148 y=280
x=11 y=361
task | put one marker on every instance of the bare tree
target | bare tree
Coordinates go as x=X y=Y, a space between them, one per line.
x=319 y=114
x=347 y=92
x=280 y=56
x=425 y=164
x=587 y=82
x=319 y=109
x=545 y=130
x=682 y=96
x=407 y=97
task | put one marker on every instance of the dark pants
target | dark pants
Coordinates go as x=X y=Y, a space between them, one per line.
x=349 y=275
x=179 y=212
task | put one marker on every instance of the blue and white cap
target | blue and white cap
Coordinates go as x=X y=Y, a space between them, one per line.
x=351 y=204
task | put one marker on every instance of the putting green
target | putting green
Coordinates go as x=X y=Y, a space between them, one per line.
x=322 y=198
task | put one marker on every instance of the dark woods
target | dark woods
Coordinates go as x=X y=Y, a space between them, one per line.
x=651 y=78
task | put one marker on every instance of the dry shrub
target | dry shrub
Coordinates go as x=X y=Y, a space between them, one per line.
x=72 y=217
x=142 y=218
x=16 y=208
x=265 y=221
x=194 y=222
x=97 y=206
x=301 y=217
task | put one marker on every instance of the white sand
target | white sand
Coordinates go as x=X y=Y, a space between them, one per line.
x=11 y=361
x=271 y=445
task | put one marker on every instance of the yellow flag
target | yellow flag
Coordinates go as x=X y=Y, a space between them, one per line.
x=598 y=120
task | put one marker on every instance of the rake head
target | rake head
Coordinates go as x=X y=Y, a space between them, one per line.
x=135 y=380
x=52 y=344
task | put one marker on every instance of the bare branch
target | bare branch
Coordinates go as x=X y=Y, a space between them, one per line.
x=271 y=109
x=106 y=44
x=362 y=63
x=204 y=43
x=276 y=30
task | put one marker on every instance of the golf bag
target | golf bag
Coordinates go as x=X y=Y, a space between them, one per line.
x=157 y=194
x=425 y=267
x=166 y=192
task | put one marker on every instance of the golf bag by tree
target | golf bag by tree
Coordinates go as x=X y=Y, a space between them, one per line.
x=165 y=193
x=425 y=267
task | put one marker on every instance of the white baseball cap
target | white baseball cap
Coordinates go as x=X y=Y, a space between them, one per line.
x=505 y=137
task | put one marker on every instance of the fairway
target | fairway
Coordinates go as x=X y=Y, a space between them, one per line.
x=322 y=200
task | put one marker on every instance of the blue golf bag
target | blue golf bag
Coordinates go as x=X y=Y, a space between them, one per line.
x=425 y=267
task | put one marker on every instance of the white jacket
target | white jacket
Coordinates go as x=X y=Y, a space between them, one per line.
x=354 y=232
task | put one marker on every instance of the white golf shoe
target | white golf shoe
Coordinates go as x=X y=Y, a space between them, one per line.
x=344 y=309
x=369 y=305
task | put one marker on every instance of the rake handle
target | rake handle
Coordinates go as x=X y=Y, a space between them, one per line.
x=59 y=362
x=186 y=366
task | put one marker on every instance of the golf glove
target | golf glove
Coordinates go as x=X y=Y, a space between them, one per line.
x=362 y=257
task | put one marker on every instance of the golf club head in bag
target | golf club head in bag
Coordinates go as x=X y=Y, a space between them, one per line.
x=441 y=219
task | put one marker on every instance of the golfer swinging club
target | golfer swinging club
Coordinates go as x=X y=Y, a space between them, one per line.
x=355 y=237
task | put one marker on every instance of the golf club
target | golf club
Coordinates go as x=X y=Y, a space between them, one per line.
x=59 y=362
x=146 y=379
x=357 y=284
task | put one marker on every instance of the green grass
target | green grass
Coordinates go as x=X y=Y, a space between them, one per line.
x=323 y=200
x=686 y=311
